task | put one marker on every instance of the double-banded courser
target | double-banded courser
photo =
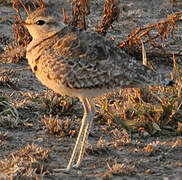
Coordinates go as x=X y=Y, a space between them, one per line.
x=81 y=64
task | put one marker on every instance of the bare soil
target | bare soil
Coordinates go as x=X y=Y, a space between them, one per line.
x=111 y=152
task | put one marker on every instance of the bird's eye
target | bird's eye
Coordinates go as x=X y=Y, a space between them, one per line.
x=40 y=22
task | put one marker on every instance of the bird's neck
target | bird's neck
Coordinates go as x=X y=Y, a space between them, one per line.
x=37 y=41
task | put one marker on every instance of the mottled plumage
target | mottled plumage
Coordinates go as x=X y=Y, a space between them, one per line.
x=81 y=64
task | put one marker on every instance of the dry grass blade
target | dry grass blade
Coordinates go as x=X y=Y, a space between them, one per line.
x=88 y=6
x=27 y=10
x=41 y=4
x=111 y=13
x=66 y=17
x=144 y=55
x=16 y=8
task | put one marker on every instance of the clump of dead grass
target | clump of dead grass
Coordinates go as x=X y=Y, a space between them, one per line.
x=118 y=169
x=111 y=106
x=56 y=126
x=149 y=150
x=6 y=82
x=9 y=116
x=110 y=14
x=120 y=138
x=7 y=121
x=4 y=137
x=27 y=162
x=80 y=9
x=53 y=103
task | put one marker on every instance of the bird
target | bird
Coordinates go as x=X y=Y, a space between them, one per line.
x=82 y=64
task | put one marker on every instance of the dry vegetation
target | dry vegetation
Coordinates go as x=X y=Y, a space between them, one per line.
x=152 y=111
x=27 y=162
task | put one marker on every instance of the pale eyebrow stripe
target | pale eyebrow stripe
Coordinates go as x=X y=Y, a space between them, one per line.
x=52 y=23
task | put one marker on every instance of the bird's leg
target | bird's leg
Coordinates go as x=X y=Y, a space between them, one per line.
x=84 y=124
x=86 y=132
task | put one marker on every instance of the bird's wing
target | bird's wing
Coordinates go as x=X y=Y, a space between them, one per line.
x=88 y=60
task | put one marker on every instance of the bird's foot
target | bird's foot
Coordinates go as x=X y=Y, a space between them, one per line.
x=62 y=170
x=66 y=170
x=76 y=166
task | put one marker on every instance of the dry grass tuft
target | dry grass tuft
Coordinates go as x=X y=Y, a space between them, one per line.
x=6 y=82
x=121 y=138
x=6 y=121
x=80 y=9
x=53 y=103
x=4 y=137
x=118 y=169
x=27 y=162
x=149 y=150
x=110 y=14
x=59 y=127
x=13 y=53
x=9 y=116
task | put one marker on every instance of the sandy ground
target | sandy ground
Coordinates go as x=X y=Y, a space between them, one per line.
x=111 y=153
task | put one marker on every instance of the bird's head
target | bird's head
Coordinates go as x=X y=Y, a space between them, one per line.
x=43 y=23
